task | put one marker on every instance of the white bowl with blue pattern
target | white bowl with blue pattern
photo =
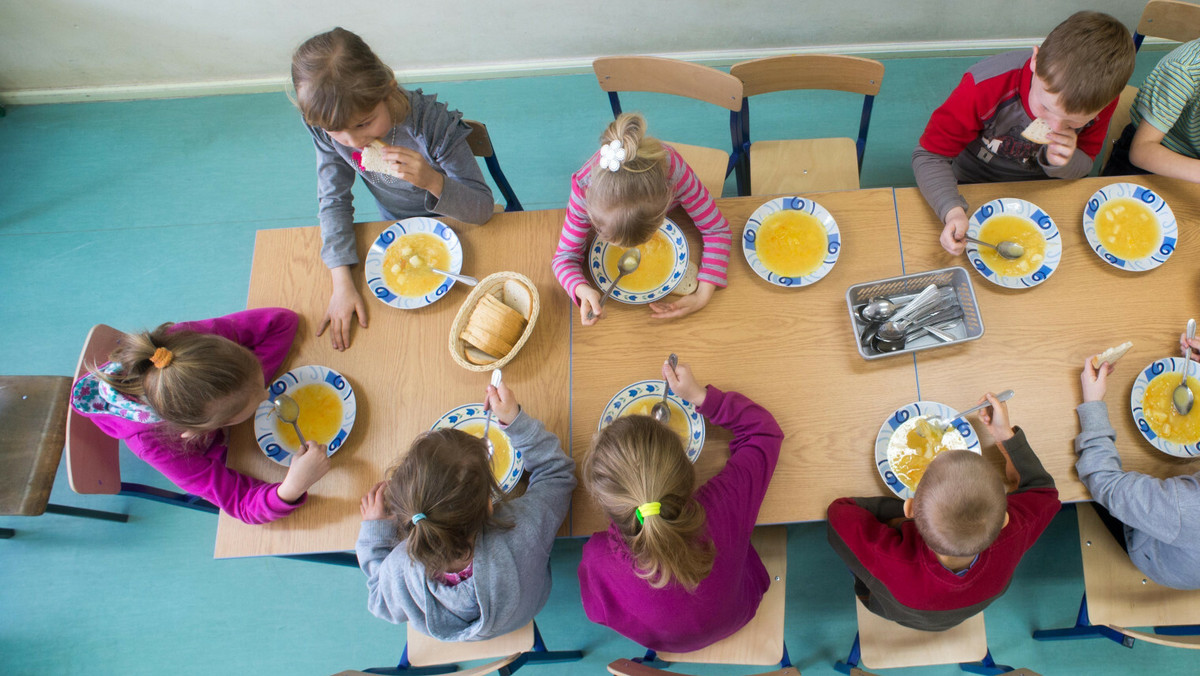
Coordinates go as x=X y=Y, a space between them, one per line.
x=1165 y=365
x=373 y=266
x=679 y=245
x=643 y=390
x=1012 y=206
x=833 y=241
x=461 y=415
x=265 y=420
x=1157 y=205
x=898 y=418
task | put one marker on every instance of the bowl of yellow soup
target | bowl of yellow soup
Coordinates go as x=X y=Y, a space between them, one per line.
x=791 y=241
x=1155 y=415
x=640 y=397
x=902 y=455
x=663 y=265
x=1014 y=220
x=1130 y=227
x=507 y=460
x=327 y=412
x=400 y=262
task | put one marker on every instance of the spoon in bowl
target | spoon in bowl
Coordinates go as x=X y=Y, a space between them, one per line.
x=1182 y=398
x=487 y=424
x=627 y=263
x=465 y=279
x=661 y=412
x=1006 y=249
x=287 y=410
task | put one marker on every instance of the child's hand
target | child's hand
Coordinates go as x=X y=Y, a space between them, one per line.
x=954 y=234
x=343 y=305
x=503 y=402
x=412 y=167
x=1095 y=381
x=685 y=305
x=1185 y=343
x=373 y=507
x=309 y=464
x=996 y=418
x=1061 y=147
x=589 y=303
x=684 y=384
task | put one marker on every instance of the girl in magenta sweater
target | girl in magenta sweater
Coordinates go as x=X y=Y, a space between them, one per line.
x=168 y=394
x=675 y=570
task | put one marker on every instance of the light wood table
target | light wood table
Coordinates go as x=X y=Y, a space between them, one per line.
x=400 y=368
x=1036 y=339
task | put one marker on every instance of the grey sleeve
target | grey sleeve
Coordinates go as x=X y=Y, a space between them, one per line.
x=465 y=195
x=1148 y=504
x=375 y=541
x=1025 y=461
x=1078 y=167
x=543 y=507
x=335 y=201
x=935 y=178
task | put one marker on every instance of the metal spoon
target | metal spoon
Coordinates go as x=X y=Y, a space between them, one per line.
x=878 y=310
x=661 y=412
x=628 y=262
x=1006 y=249
x=894 y=330
x=487 y=424
x=287 y=410
x=943 y=424
x=884 y=345
x=465 y=279
x=1182 y=397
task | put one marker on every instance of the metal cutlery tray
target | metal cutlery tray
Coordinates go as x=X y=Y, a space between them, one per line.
x=900 y=290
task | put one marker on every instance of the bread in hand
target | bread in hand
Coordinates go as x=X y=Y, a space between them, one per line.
x=1038 y=132
x=372 y=160
x=1111 y=355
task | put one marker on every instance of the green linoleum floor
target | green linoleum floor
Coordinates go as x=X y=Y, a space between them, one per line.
x=152 y=218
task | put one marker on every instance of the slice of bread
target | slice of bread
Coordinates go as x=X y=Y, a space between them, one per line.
x=518 y=298
x=1037 y=131
x=477 y=356
x=690 y=281
x=1111 y=355
x=372 y=160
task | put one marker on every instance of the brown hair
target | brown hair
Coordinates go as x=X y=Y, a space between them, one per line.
x=446 y=476
x=960 y=504
x=636 y=460
x=338 y=79
x=196 y=390
x=1086 y=61
x=630 y=203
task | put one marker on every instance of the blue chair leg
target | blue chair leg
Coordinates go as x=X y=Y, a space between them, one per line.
x=1083 y=629
x=539 y=654
x=786 y=661
x=651 y=658
x=851 y=660
x=986 y=666
x=6 y=533
x=404 y=668
x=86 y=513
x=1181 y=630
x=167 y=497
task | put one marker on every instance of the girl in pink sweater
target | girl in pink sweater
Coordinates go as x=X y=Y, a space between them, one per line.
x=169 y=393
x=625 y=191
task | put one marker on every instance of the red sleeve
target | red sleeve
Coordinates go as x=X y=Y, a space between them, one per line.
x=866 y=536
x=267 y=332
x=956 y=122
x=1091 y=139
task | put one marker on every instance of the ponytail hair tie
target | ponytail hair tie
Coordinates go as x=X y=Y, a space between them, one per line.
x=162 y=358
x=419 y=516
x=647 y=509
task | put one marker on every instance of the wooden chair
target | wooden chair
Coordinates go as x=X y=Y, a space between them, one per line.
x=33 y=415
x=481 y=145
x=93 y=463
x=800 y=166
x=760 y=642
x=1116 y=125
x=1170 y=20
x=426 y=655
x=679 y=78
x=625 y=667
x=883 y=644
x=1117 y=596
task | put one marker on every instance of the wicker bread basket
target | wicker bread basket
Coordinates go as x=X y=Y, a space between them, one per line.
x=506 y=286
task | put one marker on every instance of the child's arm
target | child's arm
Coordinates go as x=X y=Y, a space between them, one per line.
x=267 y=332
x=568 y=256
x=335 y=201
x=1148 y=152
x=461 y=193
x=862 y=540
x=1071 y=155
x=386 y=591
x=1022 y=466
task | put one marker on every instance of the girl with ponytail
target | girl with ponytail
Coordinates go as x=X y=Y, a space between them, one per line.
x=675 y=570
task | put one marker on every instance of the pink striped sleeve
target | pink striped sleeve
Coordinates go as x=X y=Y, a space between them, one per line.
x=714 y=229
x=568 y=257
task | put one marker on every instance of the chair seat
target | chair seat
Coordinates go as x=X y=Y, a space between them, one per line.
x=803 y=166
x=624 y=667
x=426 y=651
x=886 y=645
x=708 y=163
x=33 y=415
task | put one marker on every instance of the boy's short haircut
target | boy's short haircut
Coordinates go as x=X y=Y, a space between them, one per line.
x=1086 y=60
x=960 y=504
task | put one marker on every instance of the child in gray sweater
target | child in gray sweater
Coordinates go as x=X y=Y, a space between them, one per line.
x=1160 y=517
x=441 y=555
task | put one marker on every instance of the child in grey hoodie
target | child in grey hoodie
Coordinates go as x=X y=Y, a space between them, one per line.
x=439 y=554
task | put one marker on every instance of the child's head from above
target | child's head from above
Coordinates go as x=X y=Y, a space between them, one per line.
x=636 y=461
x=628 y=205
x=1082 y=65
x=960 y=505
x=344 y=88
x=198 y=382
x=441 y=497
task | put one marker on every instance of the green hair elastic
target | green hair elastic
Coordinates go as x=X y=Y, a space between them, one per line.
x=647 y=509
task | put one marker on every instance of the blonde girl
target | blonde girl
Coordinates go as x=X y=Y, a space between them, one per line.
x=169 y=393
x=624 y=192
x=349 y=99
x=440 y=553
x=675 y=570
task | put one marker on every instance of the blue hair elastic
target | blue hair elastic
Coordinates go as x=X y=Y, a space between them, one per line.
x=418 y=517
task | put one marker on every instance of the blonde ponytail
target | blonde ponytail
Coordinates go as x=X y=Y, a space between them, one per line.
x=629 y=204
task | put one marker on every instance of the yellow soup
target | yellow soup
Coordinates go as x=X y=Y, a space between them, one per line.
x=1012 y=229
x=658 y=258
x=407 y=263
x=320 y=415
x=910 y=467
x=791 y=243
x=1127 y=228
x=1161 y=414
x=678 y=422
x=501 y=449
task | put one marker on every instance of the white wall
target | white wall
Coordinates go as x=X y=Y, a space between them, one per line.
x=171 y=47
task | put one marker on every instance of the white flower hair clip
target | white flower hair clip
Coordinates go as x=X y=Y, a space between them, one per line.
x=612 y=155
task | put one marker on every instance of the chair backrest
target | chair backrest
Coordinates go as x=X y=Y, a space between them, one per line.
x=1117 y=124
x=480 y=143
x=625 y=667
x=93 y=464
x=427 y=651
x=668 y=76
x=1170 y=20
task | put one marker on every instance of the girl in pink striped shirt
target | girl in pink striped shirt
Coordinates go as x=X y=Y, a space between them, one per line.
x=625 y=196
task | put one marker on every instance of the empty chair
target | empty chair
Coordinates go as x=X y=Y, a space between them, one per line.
x=481 y=145
x=1170 y=20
